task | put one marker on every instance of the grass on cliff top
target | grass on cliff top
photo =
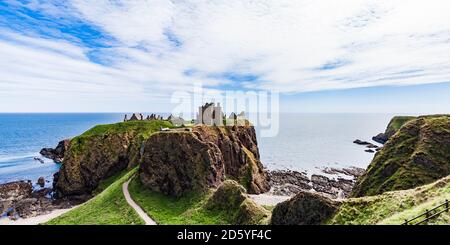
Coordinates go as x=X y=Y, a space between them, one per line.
x=397 y=122
x=109 y=207
x=396 y=206
x=141 y=130
x=144 y=128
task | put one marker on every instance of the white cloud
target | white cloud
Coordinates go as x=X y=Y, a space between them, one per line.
x=357 y=43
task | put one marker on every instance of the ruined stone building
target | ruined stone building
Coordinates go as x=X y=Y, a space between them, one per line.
x=210 y=114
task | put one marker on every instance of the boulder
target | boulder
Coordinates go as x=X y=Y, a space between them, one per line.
x=380 y=138
x=231 y=198
x=41 y=181
x=304 y=208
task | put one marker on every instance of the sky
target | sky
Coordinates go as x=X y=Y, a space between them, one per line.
x=383 y=56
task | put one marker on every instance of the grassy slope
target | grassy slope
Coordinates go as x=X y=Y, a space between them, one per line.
x=396 y=206
x=417 y=154
x=108 y=207
x=168 y=210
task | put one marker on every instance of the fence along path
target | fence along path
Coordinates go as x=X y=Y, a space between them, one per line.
x=428 y=214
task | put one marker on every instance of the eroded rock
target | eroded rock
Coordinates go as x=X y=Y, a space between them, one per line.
x=304 y=208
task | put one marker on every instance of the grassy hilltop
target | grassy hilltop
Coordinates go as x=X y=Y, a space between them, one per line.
x=418 y=153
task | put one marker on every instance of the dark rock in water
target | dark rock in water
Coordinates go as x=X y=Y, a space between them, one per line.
x=304 y=208
x=370 y=145
x=41 y=181
x=380 y=138
x=355 y=172
x=360 y=142
x=38 y=159
x=281 y=177
x=57 y=154
x=369 y=150
x=231 y=198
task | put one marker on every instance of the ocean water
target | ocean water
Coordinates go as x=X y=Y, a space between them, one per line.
x=305 y=142
x=310 y=142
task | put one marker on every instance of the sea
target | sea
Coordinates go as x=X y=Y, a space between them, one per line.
x=305 y=142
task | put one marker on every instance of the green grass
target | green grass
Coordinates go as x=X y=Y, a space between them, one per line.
x=417 y=154
x=396 y=206
x=140 y=130
x=188 y=209
x=108 y=207
x=143 y=127
x=109 y=181
x=397 y=122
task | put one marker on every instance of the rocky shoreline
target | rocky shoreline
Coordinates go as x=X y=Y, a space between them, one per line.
x=19 y=200
x=289 y=183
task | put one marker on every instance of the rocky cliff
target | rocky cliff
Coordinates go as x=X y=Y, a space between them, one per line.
x=176 y=162
x=418 y=153
x=100 y=153
x=171 y=162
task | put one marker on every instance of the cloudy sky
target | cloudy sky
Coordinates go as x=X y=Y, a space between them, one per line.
x=323 y=56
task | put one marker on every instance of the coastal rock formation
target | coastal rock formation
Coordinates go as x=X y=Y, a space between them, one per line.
x=176 y=162
x=172 y=161
x=288 y=182
x=304 y=208
x=99 y=153
x=239 y=149
x=394 y=125
x=18 y=200
x=418 y=153
x=57 y=154
x=232 y=199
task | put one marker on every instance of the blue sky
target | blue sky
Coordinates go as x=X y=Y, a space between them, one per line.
x=105 y=56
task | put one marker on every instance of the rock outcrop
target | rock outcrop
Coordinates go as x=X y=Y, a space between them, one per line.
x=394 y=125
x=18 y=200
x=231 y=198
x=176 y=162
x=172 y=161
x=99 y=153
x=57 y=154
x=417 y=154
x=304 y=208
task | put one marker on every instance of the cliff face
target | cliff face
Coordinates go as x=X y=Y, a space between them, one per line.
x=178 y=162
x=418 y=153
x=100 y=153
x=171 y=162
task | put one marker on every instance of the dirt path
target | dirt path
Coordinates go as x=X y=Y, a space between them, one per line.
x=135 y=206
